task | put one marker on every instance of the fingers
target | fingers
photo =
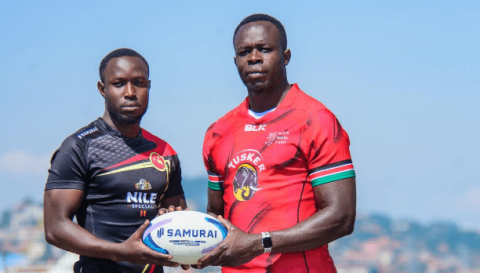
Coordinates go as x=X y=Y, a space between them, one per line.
x=157 y=258
x=208 y=259
x=170 y=208
x=226 y=223
x=185 y=267
x=140 y=230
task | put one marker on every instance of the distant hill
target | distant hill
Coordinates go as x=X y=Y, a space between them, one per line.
x=378 y=244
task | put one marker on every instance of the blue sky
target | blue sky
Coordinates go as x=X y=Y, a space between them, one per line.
x=403 y=77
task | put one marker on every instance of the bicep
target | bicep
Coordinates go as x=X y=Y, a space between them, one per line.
x=339 y=196
x=61 y=204
x=215 y=202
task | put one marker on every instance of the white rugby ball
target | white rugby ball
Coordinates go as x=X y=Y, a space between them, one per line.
x=186 y=235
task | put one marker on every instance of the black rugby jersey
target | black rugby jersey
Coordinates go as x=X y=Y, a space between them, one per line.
x=124 y=182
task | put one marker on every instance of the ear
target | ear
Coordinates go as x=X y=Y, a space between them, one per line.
x=149 y=84
x=101 y=88
x=286 y=56
x=235 y=60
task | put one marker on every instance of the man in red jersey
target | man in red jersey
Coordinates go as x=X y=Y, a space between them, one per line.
x=279 y=166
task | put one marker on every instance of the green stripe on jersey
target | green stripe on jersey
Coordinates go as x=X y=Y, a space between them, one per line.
x=215 y=186
x=333 y=177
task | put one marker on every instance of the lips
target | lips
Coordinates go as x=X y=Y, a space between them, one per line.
x=257 y=73
x=130 y=107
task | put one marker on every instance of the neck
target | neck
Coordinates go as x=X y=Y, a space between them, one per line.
x=127 y=130
x=267 y=99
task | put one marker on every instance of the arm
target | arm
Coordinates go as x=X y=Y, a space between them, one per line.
x=336 y=216
x=60 y=205
x=215 y=202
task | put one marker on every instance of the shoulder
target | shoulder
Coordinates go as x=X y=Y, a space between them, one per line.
x=161 y=144
x=317 y=115
x=306 y=103
x=228 y=120
x=82 y=136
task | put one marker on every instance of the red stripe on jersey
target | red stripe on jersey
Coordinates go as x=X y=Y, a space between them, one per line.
x=215 y=178
x=162 y=149
x=139 y=157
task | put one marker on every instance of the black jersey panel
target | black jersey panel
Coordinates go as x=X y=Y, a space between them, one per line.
x=123 y=180
x=68 y=164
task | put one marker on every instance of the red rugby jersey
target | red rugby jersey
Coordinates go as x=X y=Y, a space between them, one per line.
x=267 y=167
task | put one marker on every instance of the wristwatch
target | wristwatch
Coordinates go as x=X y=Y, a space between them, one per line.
x=267 y=242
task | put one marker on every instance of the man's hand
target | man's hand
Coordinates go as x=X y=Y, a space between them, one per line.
x=135 y=251
x=170 y=208
x=238 y=248
x=176 y=203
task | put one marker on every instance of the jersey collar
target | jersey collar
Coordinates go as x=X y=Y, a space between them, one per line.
x=100 y=122
x=285 y=103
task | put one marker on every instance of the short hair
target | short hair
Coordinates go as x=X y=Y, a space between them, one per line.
x=121 y=52
x=265 y=17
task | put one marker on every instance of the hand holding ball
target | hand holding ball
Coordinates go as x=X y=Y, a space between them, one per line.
x=186 y=235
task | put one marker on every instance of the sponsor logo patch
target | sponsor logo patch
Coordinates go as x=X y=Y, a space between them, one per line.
x=143 y=185
x=87 y=132
x=277 y=138
x=248 y=165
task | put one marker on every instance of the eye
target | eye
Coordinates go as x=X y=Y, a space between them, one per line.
x=243 y=52
x=118 y=84
x=141 y=83
x=266 y=49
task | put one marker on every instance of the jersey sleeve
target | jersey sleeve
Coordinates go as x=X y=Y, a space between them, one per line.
x=326 y=146
x=68 y=166
x=175 y=180
x=215 y=178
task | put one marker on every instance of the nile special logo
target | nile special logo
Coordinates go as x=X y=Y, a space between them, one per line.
x=248 y=164
x=143 y=185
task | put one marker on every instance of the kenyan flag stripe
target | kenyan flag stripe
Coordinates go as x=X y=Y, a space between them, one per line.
x=215 y=182
x=335 y=172
x=217 y=186
x=215 y=178
x=333 y=177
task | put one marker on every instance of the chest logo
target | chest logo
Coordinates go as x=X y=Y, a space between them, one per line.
x=248 y=164
x=254 y=128
x=142 y=199
x=143 y=185
x=159 y=162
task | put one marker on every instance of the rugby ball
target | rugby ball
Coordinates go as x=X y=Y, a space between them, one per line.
x=186 y=235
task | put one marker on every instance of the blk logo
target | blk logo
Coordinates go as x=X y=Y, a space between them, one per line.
x=254 y=128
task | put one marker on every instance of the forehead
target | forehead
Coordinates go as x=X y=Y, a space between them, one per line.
x=125 y=65
x=257 y=32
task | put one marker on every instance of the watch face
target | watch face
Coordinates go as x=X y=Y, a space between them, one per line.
x=267 y=241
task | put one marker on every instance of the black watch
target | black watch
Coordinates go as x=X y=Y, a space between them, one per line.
x=267 y=242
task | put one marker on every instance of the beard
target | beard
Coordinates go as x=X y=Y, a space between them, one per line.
x=124 y=119
x=259 y=87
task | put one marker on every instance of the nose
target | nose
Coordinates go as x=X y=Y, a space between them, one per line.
x=130 y=91
x=254 y=57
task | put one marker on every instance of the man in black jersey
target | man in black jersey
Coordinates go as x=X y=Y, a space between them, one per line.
x=113 y=176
